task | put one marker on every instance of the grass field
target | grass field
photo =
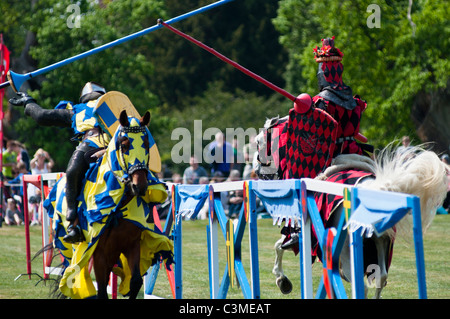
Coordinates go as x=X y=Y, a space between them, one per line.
x=401 y=282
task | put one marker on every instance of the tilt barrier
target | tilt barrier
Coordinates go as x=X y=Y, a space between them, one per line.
x=292 y=201
x=287 y=201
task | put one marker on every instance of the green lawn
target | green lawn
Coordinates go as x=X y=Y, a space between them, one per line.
x=401 y=282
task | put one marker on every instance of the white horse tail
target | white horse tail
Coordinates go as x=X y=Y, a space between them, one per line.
x=413 y=170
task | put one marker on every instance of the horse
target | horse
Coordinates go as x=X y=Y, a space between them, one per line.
x=116 y=200
x=413 y=171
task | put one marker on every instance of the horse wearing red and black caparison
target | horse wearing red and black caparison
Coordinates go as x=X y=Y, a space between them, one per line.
x=317 y=130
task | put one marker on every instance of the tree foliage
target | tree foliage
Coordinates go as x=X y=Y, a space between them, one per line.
x=160 y=71
x=178 y=82
x=387 y=66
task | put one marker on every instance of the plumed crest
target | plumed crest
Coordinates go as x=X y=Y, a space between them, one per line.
x=328 y=52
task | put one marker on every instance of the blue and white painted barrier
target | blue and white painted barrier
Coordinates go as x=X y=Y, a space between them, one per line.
x=293 y=201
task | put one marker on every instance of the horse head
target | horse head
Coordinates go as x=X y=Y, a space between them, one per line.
x=133 y=145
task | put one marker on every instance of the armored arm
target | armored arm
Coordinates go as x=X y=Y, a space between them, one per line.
x=48 y=117
x=45 y=117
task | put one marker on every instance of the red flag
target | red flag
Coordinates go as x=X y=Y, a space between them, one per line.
x=4 y=63
x=4 y=68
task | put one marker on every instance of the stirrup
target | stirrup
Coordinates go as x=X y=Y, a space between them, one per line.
x=74 y=235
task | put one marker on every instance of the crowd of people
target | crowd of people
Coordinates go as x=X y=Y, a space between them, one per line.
x=228 y=162
x=16 y=164
x=238 y=164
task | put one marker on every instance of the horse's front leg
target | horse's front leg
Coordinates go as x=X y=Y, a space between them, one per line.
x=133 y=257
x=102 y=272
x=383 y=243
x=282 y=281
x=105 y=256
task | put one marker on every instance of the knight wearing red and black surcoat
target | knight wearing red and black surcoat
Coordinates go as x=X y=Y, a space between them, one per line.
x=337 y=99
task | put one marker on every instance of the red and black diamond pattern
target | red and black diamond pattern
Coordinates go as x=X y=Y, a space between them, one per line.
x=348 y=120
x=310 y=143
x=333 y=74
x=327 y=203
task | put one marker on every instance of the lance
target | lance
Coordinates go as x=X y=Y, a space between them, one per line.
x=236 y=65
x=16 y=80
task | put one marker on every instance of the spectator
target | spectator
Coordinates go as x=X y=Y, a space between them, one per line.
x=235 y=198
x=193 y=173
x=12 y=216
x=176 y=178
x=41 y=163
x=9 y=160
x=238 y=156
x=22 y=154
x=221 y=155
x=406 y=142
x=16 y=183
x=249 y=150
x=217 y=177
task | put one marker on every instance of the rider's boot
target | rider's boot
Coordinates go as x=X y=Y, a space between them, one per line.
x=74 y=177
x=291 y=242
x=292 y=234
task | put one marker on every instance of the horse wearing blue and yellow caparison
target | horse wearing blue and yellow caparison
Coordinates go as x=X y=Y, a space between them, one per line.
x=116 y=200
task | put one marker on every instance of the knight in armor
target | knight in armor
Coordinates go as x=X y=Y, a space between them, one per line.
x=88 y=133
x=337 y=99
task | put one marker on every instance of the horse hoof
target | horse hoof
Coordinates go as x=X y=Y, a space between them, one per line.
x=285 y=285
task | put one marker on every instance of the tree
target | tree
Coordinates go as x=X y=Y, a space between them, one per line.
x=390 y=67
x=159 y=71
x=241 y=30
x=123 y=68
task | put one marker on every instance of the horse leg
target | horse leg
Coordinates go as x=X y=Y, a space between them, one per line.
x=102 y=269
x=345 y=265
x=105 y=256
x=132 y=252
x=133 y=257
x=382 y=245
x=282 y=281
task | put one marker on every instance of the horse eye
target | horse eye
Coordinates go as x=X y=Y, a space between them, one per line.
x=124 y=143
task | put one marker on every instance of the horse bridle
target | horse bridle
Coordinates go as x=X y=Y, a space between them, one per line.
x=130 y=170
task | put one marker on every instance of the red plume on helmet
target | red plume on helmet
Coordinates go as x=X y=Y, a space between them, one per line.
x=328 y=52
x=329 y=75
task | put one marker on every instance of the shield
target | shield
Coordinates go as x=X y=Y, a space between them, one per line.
x=107 y=110
x=310 y=144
